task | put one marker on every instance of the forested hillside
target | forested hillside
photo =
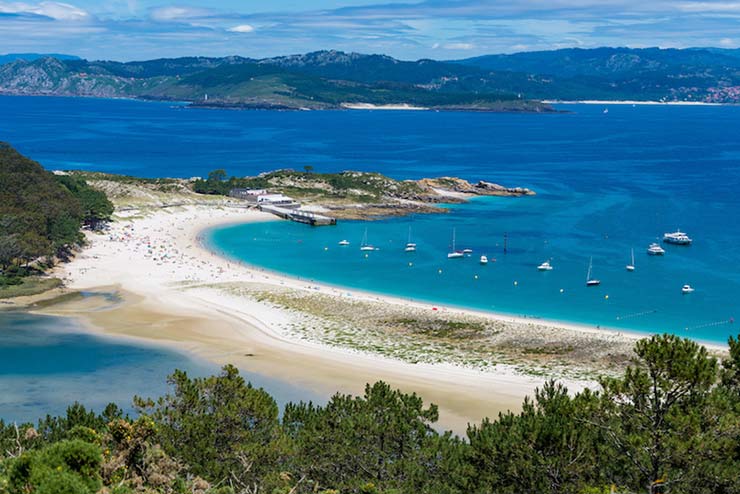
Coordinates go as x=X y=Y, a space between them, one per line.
x=41 y=215
x=670 y=424
x=328 y=79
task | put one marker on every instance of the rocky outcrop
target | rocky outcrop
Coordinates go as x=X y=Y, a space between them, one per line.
x=452 y=186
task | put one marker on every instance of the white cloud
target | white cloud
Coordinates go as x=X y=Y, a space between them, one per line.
x=242 y=28
x=727 y=42
x=708 y=7
x=459 y=46
x=54 y=10
x=175 y=13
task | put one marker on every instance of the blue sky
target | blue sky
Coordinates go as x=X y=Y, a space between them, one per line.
x=144 y=29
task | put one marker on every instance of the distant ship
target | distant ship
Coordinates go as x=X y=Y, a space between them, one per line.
x=545 y=266
x=344 y=242
x=655 y=250
x=687 y=289
x=677 y=238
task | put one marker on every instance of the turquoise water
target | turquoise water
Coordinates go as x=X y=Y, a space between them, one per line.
x=47 y=363
x=648 y=299
x=606 y=183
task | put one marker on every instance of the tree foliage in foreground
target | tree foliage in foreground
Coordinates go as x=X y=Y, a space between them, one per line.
x=670 y=424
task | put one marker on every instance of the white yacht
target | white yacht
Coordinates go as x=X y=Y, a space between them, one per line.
x=364 y=246
x=467 y=251
x=677 y=238
x=631 y=265
x=545 y=266
x=410 y=246
x=454 y=254
x=591 y=281
x=344 y=242
x=655 y=250
x=687 y=289
x=483 y=259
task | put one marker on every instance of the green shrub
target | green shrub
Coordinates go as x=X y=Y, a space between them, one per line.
x=66 y=467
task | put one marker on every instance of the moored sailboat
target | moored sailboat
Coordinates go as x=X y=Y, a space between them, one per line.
x=631 y=265
x=589 y=280
x=454 y=254
x=364 y=246
x=410 y=246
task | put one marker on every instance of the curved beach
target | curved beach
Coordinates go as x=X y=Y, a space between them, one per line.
x=176 y=292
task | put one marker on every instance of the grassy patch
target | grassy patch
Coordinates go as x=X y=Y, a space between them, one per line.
x=548 y=350
x=30 y=286
x=441 y=328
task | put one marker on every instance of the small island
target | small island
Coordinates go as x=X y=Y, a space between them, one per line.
x=355 y=194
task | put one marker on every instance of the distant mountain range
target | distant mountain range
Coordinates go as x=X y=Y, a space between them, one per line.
x=694 y=74
x=29 y=57
x=331 y=79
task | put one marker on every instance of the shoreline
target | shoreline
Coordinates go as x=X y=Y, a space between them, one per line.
x=176 y=292
x=634 y=102
x=524 y=319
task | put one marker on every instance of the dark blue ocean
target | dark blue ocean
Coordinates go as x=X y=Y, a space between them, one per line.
x=606 y=183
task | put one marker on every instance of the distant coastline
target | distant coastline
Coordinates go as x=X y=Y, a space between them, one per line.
x=633 y=102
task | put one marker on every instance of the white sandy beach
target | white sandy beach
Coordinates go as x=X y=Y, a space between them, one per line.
x=166 y=277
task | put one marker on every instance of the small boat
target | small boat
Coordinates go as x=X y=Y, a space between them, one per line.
x=631 y=265
x=467 y=251
x=410 y=246
x=454 y=254
x=655 y=250
x=687 y=289
x=591 y=281
x=677 y=238
x=606 y=110
x=364 y=246
x=483 y=259
x=344 y=242
x=545 y=266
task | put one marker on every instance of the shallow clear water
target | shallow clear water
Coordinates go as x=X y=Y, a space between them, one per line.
x=606 y=183
x=47 y=363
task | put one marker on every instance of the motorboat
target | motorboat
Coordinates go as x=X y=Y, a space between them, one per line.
x=655 y=250
x=677 y=238
x=545 y=266
x=687 y=289
x=483 y=259
x=467 y=251
x=589 y=280
x=344 y=242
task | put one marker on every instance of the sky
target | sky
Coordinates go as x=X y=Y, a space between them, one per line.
x=144 y=29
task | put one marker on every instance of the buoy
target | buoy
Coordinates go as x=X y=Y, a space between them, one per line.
x=439 y=271
x=326 y=248
x=411 y=264
x=606 y=297
x=516 y=283
x=365 y=256
x=561 y=290
x=476 y=276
